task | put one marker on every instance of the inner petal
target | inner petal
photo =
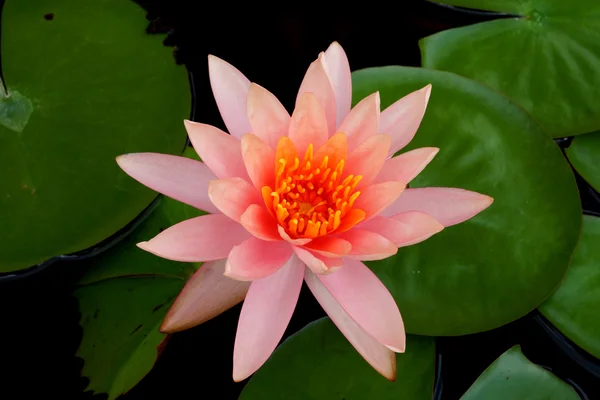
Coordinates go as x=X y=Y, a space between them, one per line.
x=313 y=196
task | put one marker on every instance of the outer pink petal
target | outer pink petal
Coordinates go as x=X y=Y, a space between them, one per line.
x=230 y=88
x=222 y=153
x=377 y=197
x=265 y=315
x=206 y=238
x=268 y=118
x=207 y=294
x=368 y=158
x=260 y=223
x=382 y=359
x=309 y=124
x=287 y=238
x=404 y=229
x=317 y=82
x=180 y=178
x=362 y=122
x=405 y=167
x=329 y=246
x=317 y=263
x=255 y=259
x=402 y=119
x=367 y=245
x=233 y=196
x=338 y=70
x=259 y=159
x=450 y=206
x=368 y=302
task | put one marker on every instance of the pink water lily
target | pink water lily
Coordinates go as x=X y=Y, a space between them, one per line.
x=302 y=197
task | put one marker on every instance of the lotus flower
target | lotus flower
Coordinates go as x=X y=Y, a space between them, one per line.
x=302 y=197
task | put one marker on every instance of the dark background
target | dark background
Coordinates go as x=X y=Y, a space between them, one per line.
x=39 y=331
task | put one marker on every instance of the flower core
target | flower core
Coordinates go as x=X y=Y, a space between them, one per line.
x=312 y=197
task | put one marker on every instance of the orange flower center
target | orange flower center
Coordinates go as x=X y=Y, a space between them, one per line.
x=312 y=197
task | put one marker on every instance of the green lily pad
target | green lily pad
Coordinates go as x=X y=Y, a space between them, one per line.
x=85 y=84
x=547 y=59
x=584 y=155
x=573 y=308
x=504 y=262
x=120 y=320
x=513 y=376
x=123 y=299
x=319 y=363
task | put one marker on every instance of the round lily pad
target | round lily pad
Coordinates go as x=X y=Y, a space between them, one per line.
x=546 y=58
x=584 y=155
x=84 y=85
x=319 y=363
x=121 y=340
x=504 y=262
x=573 y=308
x=123 y=299
x=513 y=376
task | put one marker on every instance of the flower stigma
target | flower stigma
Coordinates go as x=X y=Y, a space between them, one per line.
x=312 y=197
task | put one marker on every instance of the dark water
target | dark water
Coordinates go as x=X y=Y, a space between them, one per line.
x=39 y=330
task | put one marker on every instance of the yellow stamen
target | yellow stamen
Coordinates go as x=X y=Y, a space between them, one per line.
x=312 y=195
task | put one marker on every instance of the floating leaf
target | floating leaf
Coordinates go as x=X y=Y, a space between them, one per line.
x=123 y=299
x=85 y=84
x=584 y=155
x=120 y=319
x=503 y=263
x=547 y=58
x=319 y=363
x=573 y=308
x=512 y=376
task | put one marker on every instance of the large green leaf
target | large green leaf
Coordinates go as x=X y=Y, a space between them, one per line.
x=548 y=59
x=584 y=155
x=573 y=308
x=514 y=377
x=123 y=299
x=319 y=363
x=120 y=320
x=85 y=84
x=503 y=263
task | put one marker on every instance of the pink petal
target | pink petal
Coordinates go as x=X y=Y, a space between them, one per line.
x=230 y=88
x=402 y=119
x=368 y=302
x=317 y=82
x=180 y=178
x=259 y=159
x=317 y=263
x=265 y=315
x=207 y=294
x=260 y=223
x=368 y=158
x=382 y=359
x=404 y=229
x=255 y=259
x=206 y=238
x=268 y=118
x=405 y=167
x=450 y=206
x=287 y=238
x=377 y=197
x=362 y=122
x=309 y=124
x=233 y=196
x=329 y=246
x=337 y=68
x=222 y=153
x=367 y=245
